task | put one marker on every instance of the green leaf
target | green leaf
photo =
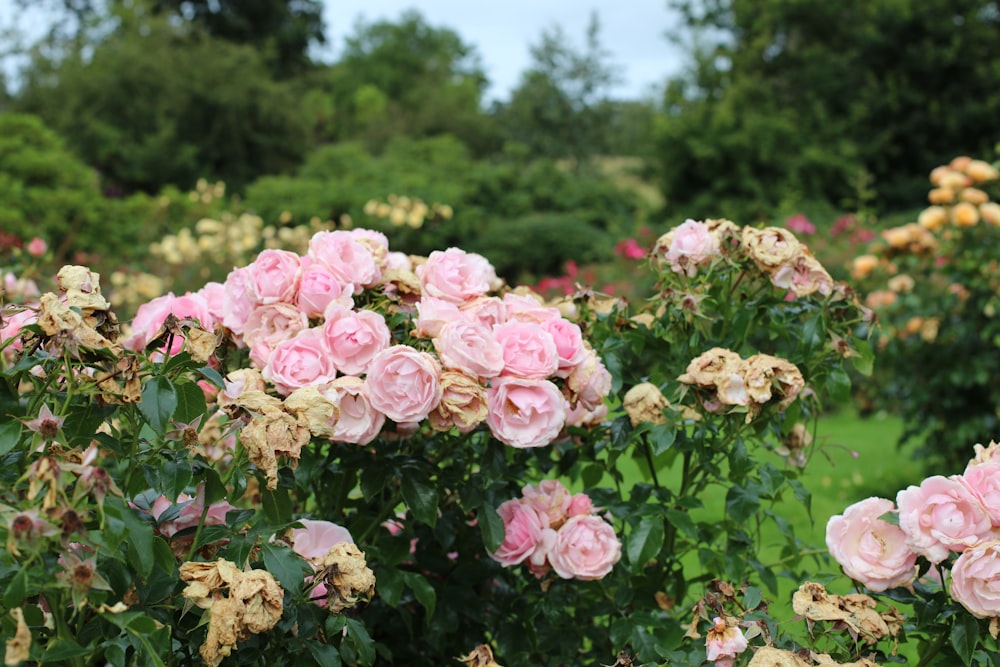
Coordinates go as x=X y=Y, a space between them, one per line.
x=288 y=567
x=362 y=641
x=159 y=401
x=491 y=527
x=838 y=384
x=751 y=598
x=865 y=358
x=965 y=637
x=138 y=535
x=10 y=435
x=324 y=654
x=389 y=582
x=420 y=496
x=175 y=476
x=645 y=541
x=190 y=402
x=647 y=647
x=683 y=522
x=17 y=589
x=277 y=505
x=63 y=649
x=662 y=437
x=741 y=503
x=423 y=591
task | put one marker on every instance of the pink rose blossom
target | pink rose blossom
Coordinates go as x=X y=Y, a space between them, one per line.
x=529 y=351
x=527 y=309
x=214 y=295
x=238 y=305
x=358 y=421
x=942 y=515
x=693 y=246
x=569 y=343
x=299 y=362
x=354 y=338
x=523 y=412
x=522 y=528
x=488 y=311
x=347 y=257
x=455 y=275
x=579 y=415
x=315 y=539
x=433 y=314
x=871 y=550
x=398 y=261
x=318 y=288
x=800 y=224
x=975 y=580
x=12 y=325
x=984 y=480
x=580 y=505
x=240 y=381
x=469 y=347
x=549 y=498
x=404 y=383
x=37 y=247
x=723 y=643
x=586 y=548
x=269 y=325
x=538 y=561
x=151 y=316
x=589 y=382
x=274 y=277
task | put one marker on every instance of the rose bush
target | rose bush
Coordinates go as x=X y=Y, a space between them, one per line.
x=408 y=401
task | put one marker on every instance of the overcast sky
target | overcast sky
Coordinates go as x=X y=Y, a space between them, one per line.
x=632 y=32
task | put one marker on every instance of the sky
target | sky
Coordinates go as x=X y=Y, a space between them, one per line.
x=631 y=31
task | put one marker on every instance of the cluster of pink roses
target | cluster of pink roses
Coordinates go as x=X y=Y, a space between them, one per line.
x=552 y=529
x=509 y=362
x=941 y=517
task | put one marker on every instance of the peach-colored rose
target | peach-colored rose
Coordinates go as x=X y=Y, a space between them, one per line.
x=433 y=314
x=522 y=527
x=549 y=498
x=274 y=277
x=347 y=257
x=525 y=413
x=871 y=550
x=975 y=580
x=455 y=275
x=300 y=361
x=266 y=326
x=319 y=287
x=770 y=247
x=529 y=351
x=470 y=347
x=586 y=548
x=589 y=383
x=804 y=275
x=692 y=245
x=942 y=515
x=354 y=338
x=404 y=383
x=358 y=421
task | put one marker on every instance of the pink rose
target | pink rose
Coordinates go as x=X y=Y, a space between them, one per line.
x=274 y=277
x=580 y=505
x=524 y=412
x=527 y=309
x=455 y=275
x=214 y=295
x=269 y=325
x=37 y=247
x=586 y=548
x=569 y=343
x=693 y=245
x=11 y=326
x=529 y=351
x=871 y=550
x=151 y=316
x=488 y=311
x=469 y=347
x=550 y=498
x=984 y=480
x=238 y=304
x=239 y=382
x=315 y=539
x=404 y=383
x=723 y=643
x=433 y=314
x=942 y=515
x=299 y=362
x=347 y=257
x=358 y=421
x=579 y=415
x=538 y=561
x=318 y=288
x=522 y=532
x=354 y=338
x=975 y=580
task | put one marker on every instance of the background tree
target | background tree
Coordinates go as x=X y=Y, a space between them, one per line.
x=793 y=100
x=562 y=107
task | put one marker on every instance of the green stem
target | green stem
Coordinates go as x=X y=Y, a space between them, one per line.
x=935 y=648
x=648 y=451
x=62 y=629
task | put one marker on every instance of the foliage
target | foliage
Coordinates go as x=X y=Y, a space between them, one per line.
x=799 y=98
x=155 y=104
x=934 y=286
x=189 y=486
